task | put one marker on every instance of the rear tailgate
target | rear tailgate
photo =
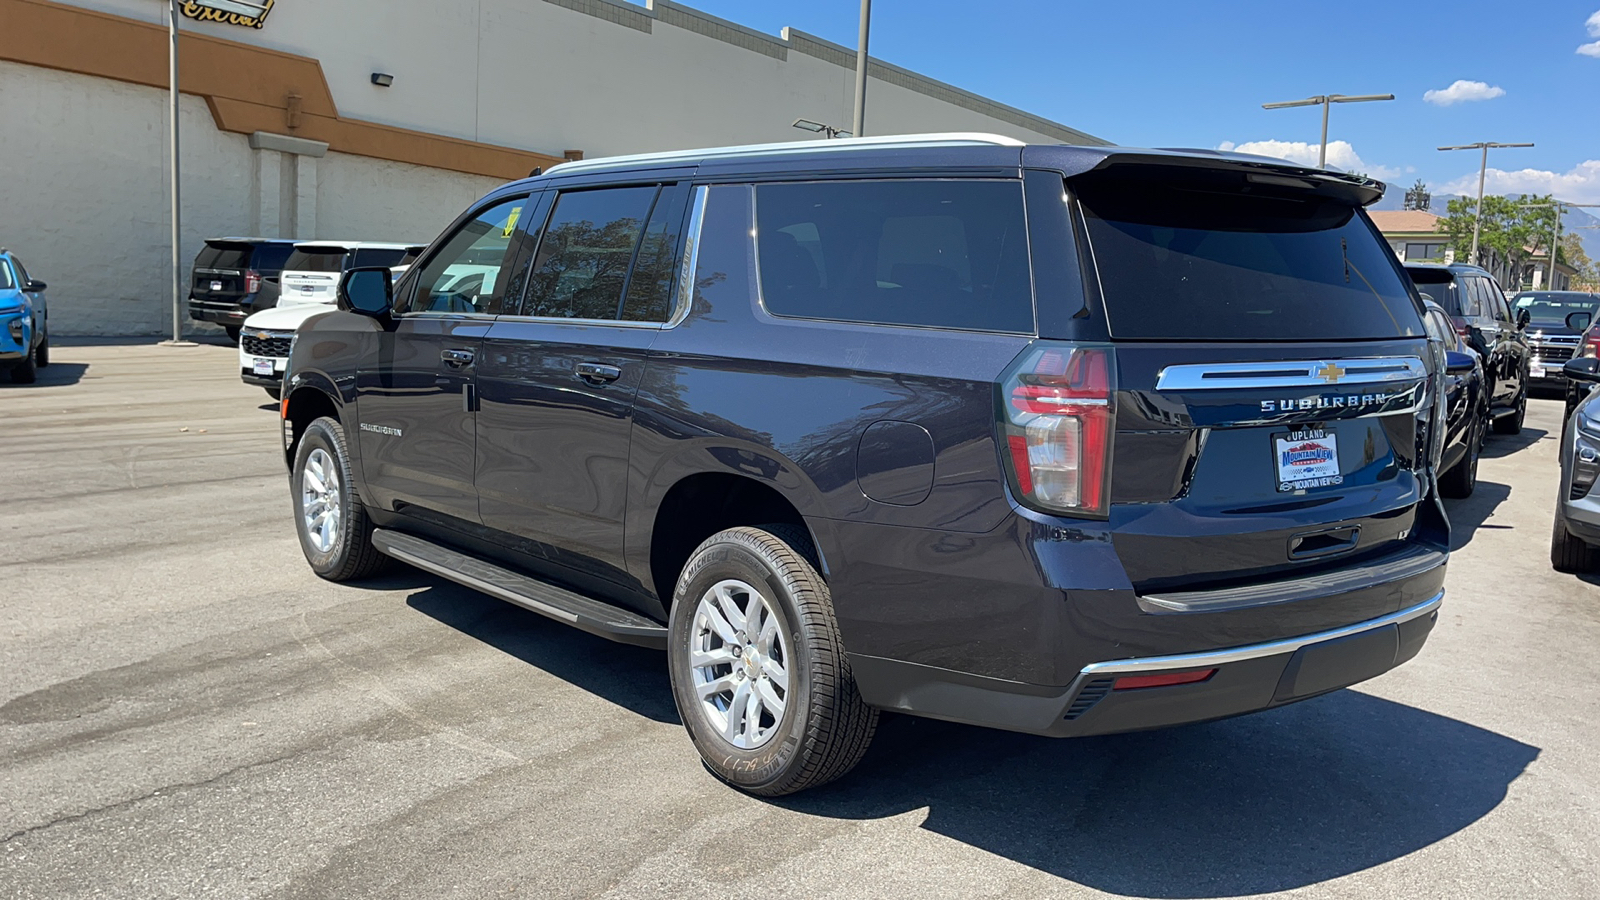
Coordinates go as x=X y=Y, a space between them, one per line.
x=311 y=274
x=1272 y=380
x=218 y=277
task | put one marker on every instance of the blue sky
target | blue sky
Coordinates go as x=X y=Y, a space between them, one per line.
x=1195 y=75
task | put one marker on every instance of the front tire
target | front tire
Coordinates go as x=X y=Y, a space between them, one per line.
x=330 y=520
x=41 y=354
x=1568 y=552
x=1512 y=424
x=759 y=672
x=1462 y=478
x=274 y=393
x=26 y=371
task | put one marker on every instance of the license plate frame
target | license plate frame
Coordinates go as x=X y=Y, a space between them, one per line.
x=1306 y=457
x=216 y=285
x=262 y=365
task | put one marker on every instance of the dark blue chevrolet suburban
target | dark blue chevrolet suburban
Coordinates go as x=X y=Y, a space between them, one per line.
x=1062 y=440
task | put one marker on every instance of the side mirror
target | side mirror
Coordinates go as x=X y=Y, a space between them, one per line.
x=1458 y=363
x=1579 y=321
x=368 y=290
x=34 y=287
x=1523 y=318
x=1583 y=370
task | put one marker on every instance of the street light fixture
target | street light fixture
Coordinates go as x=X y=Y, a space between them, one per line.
x=240 y=7
x=1324 y=100
x=828 y=131
x=1483 y=169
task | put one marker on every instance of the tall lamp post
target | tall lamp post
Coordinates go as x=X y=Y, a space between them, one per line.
x=858 y=125
x=1324 y=100
x=1483 y=170
x=242 y=7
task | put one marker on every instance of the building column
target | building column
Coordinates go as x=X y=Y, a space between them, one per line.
x=285 y=176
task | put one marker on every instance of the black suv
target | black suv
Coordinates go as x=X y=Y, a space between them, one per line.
x=1062 y=440
x=234 y=277
x=1484 y=319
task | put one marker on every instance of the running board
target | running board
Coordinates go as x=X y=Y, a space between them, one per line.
x=598 y=618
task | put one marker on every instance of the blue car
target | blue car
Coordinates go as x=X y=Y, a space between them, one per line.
x=24 y=315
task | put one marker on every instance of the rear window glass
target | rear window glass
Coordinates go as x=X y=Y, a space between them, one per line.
x=371 y=256
x=1435 y=285
x=1200 y=264
x=224 y=256
x=270 y=257
x=315 y=260
x=944 y=254
x=1550 y=309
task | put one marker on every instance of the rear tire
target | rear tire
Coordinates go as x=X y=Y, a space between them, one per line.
x=779 y=611
x=1568 y=552
x=25 y=372
x=332 y=524
x=1462 y=478
x=1512 y=424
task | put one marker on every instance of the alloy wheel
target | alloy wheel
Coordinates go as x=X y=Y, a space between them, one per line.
x=739 y=656
x=320 y=507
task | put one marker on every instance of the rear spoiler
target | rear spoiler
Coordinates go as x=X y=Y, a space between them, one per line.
x=1356 y=190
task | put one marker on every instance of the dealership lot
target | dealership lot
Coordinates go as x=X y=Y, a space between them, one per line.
x=185 y=710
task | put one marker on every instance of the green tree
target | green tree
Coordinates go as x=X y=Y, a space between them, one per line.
x=1514 y=231
x=1571 y=253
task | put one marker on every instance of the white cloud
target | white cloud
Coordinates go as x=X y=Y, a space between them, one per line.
x=1340 y=155
x=1580 y=184
x=1463 y=92
x=1593 y=47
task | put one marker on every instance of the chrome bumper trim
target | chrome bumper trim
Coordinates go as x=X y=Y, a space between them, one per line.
x=1250 y=651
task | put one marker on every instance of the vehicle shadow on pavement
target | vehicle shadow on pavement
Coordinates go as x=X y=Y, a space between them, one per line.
x=632 y=677
x=1502 y=445
x=55 y=374
x=1263 y=803
x=1472 y=513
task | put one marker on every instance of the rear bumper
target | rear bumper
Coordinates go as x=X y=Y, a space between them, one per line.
x=1247 y=679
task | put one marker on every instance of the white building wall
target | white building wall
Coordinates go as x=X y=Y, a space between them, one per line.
x=83 y=160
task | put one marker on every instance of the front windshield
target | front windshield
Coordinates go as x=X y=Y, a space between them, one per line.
x=5 y=276
x=1551 y=309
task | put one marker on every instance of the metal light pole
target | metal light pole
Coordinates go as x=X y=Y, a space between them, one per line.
x=1324 y=100
x=859 y=124
x=232 y=6
x=1483 y=170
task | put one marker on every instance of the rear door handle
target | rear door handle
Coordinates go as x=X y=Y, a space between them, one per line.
x=598 y=373
x=457 y=358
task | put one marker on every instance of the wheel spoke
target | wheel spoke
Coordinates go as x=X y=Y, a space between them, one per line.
x=718 y=686
x=775 y=670
x=752 y=713
x=770 y=698
x=717 y=656
x=769 y=632
x=735 y=615
x=313 y=481
x=736 y=709
x=720 y=625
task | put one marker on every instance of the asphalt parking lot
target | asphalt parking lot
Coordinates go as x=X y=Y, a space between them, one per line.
x=186 y=711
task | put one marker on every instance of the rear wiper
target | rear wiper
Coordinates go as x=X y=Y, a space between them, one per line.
x=1344 y=250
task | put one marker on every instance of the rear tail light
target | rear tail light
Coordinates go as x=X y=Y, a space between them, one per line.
x=252 y=281
x=1056 y=422
x=1591 y=345
x=1461 y=326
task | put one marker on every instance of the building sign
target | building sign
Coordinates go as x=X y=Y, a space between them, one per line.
x=201 y=13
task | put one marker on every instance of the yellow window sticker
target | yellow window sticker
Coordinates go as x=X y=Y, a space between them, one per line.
x=511 y=221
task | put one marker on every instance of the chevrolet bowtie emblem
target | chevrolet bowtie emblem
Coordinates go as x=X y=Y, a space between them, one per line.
x=1330 y=372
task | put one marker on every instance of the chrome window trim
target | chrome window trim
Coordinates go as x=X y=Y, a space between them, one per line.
x=563 y=320
x=1212 y=658
x=683 y=300
x=1289 y=374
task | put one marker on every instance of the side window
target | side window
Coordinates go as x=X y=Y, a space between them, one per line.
x=582 y=262
x=22 y=271
x=464 y=276
x=944 y=254
x=650 y=286
x=1497 y=300
x=1471 y=296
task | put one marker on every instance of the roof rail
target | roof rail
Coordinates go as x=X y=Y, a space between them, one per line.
x=948 y=139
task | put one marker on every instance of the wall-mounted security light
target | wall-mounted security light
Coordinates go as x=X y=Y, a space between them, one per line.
x=382 y=79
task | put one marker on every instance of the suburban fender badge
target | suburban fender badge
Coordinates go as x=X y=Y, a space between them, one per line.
x=380 y=429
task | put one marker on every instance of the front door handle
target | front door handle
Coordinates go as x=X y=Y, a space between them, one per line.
x=457 y=358
x=598 y=373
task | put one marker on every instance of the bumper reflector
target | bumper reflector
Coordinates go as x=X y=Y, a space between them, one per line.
x=1136 y=682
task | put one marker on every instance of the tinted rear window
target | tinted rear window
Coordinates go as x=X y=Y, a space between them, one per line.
x=224 y=256
x=315 y=260
x=270 y=257
x=1186 y=263
x=946 y=254
x=372 y=256
x=1435 y=285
